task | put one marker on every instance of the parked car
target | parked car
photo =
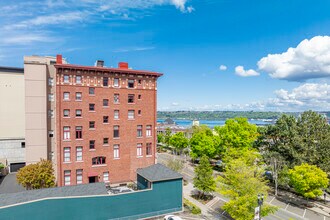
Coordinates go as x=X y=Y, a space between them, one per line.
x=172 y=217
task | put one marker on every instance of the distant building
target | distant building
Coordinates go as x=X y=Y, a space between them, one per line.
x=195 y=123
x=12 y=133
x=95 y=123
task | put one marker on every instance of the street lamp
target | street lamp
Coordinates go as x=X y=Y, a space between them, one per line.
x=260 y=202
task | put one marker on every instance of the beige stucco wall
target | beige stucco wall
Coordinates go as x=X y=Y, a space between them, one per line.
x=12 y=118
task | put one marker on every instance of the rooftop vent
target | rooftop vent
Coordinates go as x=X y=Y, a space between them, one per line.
x=123 y=65
x=99 y=63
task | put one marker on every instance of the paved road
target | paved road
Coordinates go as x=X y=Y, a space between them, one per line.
x=9 y=184
x=285 y=211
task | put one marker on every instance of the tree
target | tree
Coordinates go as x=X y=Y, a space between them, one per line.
x=203 y=142
x=203 y=179
x=242 y=183
x=160 y=138
x=179 y=141
x=175 y=164
x=237 y=133
x=167 y=136
x=37 y=176
x=308 y=180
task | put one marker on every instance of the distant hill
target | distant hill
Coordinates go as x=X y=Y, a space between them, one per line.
x=222 y=115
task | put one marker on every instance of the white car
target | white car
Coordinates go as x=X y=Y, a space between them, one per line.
x=172 y=217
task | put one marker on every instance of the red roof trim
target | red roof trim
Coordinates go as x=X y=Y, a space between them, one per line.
x=103 y=69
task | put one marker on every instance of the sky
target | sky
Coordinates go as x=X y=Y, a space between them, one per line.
x=256 y=55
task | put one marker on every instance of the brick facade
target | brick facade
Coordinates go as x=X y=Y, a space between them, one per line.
x=122 y=169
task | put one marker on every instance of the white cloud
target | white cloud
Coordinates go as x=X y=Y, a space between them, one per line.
x=240 y=71
x=25 y=38
x=123 y=50
x=175 y=104
x=310 y=59
x=223 y=67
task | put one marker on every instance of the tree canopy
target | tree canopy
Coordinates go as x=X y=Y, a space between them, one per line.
x=308 y=180
x=204 y=142
x=203 y=179
x=37 y=176
x=179 y=141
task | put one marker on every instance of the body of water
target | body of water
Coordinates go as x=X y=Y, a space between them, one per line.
x=212 y=123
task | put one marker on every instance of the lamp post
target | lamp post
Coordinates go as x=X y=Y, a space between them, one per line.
x=260 y=202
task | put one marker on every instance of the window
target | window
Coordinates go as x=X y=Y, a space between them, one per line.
x=79 y=176
x=105 y=102
x=130 y=83
x=105 y=81
x=22 y=144
x=115 y=82
x=139 y=81
x=78 y=79
x=66 y=113
x=116 y=151
x=105 y=141
x=139 y=131
x=116 y=98
x=67 y=177
x=148 y=131
x=91 y=107
x=116 y=131
x=116 y=114
x=139 y=96
x=66 y=78
x=139 y=150
x=50 y=81
x=92 y=124
x=78 y=96
x=66 y=96
x=78 y=112
x=92 y=91
x=131 y=114
x=139 y=112
x=149 y=149
x=92 y=144
x=78 y=132
x=105 y=119
x=66 y=133
x=67 y=154
x=98 y=160
x=50 y=97
x=106 y=176
x=51 y=133
x=130 y=98
x=79 y=154
x=51 y=113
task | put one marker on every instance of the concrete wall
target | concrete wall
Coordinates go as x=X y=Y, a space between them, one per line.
x=12 y=119
x=12 y=150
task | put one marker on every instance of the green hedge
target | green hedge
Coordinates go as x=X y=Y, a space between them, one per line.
x=192 y=207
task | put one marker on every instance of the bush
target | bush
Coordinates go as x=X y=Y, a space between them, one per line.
x=192 y=207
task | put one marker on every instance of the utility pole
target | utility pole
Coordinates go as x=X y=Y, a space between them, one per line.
x=275 y=175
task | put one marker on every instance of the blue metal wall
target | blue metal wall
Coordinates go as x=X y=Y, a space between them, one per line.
x=164 y=197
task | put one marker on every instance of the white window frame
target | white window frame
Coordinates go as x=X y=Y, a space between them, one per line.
x=139 y=151
x=116 y=151
x=106 y=177
x=78 y=96
x=66 y=78
x=67 y=177
x=66 y=133
x=131 y=114
x=78 y=81
x=149 y=130
x=66 y=96
x=79 y=153
x=116 y=82
x=116 y=114
x=79 y=176
x=67 y=154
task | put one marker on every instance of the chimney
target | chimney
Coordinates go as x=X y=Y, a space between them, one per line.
x=99 y=63
x=123 y=65
x=59 y=59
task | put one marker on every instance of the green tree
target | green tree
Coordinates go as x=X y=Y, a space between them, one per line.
x=242 y=183
x=160 y=138
x=167 y=136
x=37 y=176
x=203 y=142
x=237 y=133
x=203 y=179
x=179 y=142
x=308 y=180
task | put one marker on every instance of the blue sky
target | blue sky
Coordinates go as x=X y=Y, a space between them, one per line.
x=275 y=55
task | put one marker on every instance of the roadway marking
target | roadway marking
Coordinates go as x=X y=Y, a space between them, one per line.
x=272 y=200
x=304 y=213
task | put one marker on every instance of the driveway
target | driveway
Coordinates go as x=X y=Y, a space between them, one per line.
x=9 y=184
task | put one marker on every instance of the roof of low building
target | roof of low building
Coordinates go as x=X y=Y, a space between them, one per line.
x=158 y=172
x=11 y=69
x=30 y=195
x=96 y=68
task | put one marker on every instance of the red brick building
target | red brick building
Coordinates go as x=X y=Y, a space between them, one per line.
x=105 y=122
